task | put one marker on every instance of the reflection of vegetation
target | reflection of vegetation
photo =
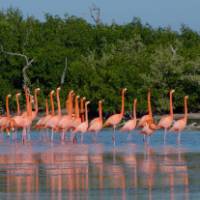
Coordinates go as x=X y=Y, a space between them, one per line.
x=101 y=59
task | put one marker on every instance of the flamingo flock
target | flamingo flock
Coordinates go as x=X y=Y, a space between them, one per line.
x=75 y=119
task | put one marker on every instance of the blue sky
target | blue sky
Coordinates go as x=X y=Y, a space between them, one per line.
x=155 y=12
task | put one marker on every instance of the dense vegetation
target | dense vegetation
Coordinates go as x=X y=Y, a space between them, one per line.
x=101 y=59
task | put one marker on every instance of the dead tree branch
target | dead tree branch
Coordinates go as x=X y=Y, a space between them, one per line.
x=95 y=13
x=26 y=79
x=62 y=80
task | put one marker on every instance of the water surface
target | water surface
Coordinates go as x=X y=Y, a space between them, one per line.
x=130 y=170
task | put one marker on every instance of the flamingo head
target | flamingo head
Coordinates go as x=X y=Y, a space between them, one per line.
x=77 y=96
x=84 y=98
x=52 y=92
x=125 y=89
x=18 y=94
x=87 y=102
x=37 y=89
x=58 y=89
x=135 y=101
x=71 y=92
x=186 y=97
x=172 y=91
x=9 y=95
x=101 y=101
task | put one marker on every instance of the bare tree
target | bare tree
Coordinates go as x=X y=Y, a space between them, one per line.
x=28 y=64
x=173 y=50
x=62 y=80
x=95 y=13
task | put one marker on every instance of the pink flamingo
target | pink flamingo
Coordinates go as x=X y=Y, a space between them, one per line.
x=43 y=120
x=147 y=131
x=149 y=117
x=26 y=121
x=97 y=124
x=77 y=120
x=83 y=127
x=82 y=110
x=52 y=123
x=131 y=124
x=115 y=119
x=7 y=122
x=34 y=113
x=166 y=121
x=66 y=120
x=180 y=124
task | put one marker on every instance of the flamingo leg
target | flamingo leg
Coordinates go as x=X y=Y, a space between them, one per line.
x=63 y=136
x=144 y=138
x=14 y=135
x=52 y=134
x=179 y=138
x=113 y=136
x=129 y=137
x=24 y=135
x=149 y=139
x=165 y=134
x=81 y=138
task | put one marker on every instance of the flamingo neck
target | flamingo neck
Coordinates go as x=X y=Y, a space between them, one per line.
x=30 y=106
x=47 y=107
x=82 y=110
x=7 y=107
x=27 y=100
x=86 y=113
x=134 y=110
x=52 y=105
x=70 y=105
x=67 y=103
x=185 y=109
x=100 y=110
x=149 y=103
x=58 y=102
x=18 y=106
x=77 y=108
x=122 y=108
x=171 y=105
x=36 y=102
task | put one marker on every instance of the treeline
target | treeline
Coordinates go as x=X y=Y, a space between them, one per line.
x=101 y=59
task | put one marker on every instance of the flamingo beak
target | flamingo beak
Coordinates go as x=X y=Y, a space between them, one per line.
x=52 y=91
x=187 y=97
x=58 y=88
x=9 y=95
x=84 y=98
x=172 y=91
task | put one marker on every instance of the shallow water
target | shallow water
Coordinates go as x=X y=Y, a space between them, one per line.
x=130 y=170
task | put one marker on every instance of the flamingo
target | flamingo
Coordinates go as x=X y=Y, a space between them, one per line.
x=97 y=124
x=82 y=110
x=147 y=118
x=77 y=120
x=34 y=113
x=180 y=124
x=147 y=131
x=18 y=116
x=43 y=120
x=131 y=124
x=52 y=123
x=26 y=121
x=166 y=121
x=66 y=120
x=83 y=127
x=7 y=122
x=115 y=119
